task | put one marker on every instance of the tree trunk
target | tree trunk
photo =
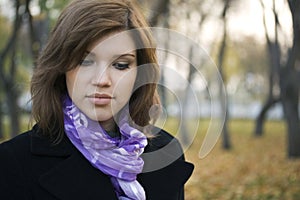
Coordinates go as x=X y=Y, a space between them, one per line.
x=14 y=113
x=158 y=8
x=289 y=82
x=8 y=73
x=274 y=70
x=290 y=99
x=226 y=137
x=1 y=124
x=221 y=55
x=35 y=44
x=261 y=117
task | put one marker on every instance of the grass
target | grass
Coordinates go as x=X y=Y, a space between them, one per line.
x=254 y=169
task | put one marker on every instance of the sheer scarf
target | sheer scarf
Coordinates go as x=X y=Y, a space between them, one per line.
x=117 y=157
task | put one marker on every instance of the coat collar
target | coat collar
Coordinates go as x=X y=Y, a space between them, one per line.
x=72 y=177
x=41 y=145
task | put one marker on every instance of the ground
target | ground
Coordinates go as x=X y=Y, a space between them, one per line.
x=254 y=169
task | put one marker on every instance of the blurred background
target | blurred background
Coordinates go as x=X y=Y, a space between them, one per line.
x=255 y=44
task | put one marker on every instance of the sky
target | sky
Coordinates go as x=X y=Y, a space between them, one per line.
x=247 y=18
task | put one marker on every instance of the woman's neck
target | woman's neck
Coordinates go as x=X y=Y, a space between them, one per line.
x=109 y=125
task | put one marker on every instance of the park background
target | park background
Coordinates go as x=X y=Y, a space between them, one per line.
x=255 y=45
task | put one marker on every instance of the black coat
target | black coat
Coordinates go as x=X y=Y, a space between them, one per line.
x=31 y=167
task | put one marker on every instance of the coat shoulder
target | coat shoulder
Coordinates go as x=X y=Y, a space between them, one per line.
x=161 y=138
x=13 y=153
x=165 y=170
x=17 y=145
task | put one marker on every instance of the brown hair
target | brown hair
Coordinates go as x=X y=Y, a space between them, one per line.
x=79 y=25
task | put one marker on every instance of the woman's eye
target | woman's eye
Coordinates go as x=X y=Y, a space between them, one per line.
x=121 y=66
x=87 y=62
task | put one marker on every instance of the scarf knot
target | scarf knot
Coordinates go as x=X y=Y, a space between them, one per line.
x=117 y=157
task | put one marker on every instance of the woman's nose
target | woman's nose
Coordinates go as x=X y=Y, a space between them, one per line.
x=102 y=78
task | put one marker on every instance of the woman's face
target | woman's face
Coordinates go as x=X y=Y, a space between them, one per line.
x=102 y=83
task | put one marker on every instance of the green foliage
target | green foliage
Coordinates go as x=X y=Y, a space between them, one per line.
x=59 y=4
x=51 y=9
x=5 y=28
x=46 y=5
x=243 y=56
x=25 y=125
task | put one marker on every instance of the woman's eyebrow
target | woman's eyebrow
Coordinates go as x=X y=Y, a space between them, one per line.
x=115 y=57
x=124 y=55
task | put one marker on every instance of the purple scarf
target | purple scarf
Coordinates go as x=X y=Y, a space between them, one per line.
x=117 y=157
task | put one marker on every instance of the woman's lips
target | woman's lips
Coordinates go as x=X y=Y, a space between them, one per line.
x=100 y=99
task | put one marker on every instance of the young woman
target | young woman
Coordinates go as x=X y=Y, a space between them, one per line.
x=92 y=92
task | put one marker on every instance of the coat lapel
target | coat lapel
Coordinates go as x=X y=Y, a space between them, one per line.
x=72 y=177
x=165 y=171
x=75 y=178
x=168 y=182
